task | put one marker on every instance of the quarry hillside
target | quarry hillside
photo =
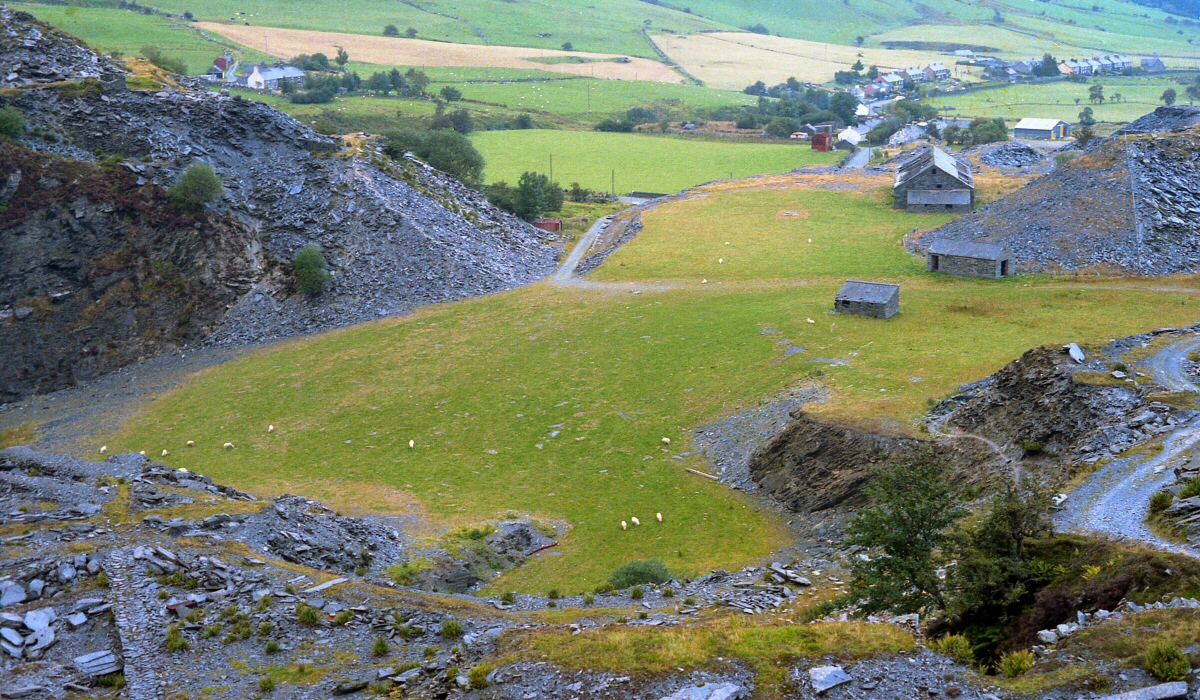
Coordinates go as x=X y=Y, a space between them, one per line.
x=396 y=234
x=1124 y=204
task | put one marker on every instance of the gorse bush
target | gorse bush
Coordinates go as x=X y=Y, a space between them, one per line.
x=196 y=187
x=1166 y=662
x=639 y=572
x=311 y=275
x=956 y=647
x=12 y=123
x=1016 y=663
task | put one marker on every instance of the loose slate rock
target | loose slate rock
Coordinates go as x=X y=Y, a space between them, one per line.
x=1164 y=691
x=709 y=691
x=826 y=677
x=98 y=663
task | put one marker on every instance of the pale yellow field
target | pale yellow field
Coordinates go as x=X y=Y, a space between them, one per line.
x=733 y=60
x=1007 y=42
x=387 y=51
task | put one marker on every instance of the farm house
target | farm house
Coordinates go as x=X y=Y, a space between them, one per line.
x=970 y=259
x=1044 y=129
x=871 y=299
x=934 y=181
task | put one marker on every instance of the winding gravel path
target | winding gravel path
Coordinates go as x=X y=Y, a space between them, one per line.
x=1115 y=499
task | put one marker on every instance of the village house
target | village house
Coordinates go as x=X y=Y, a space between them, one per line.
x=970 y=259
x=222 y=69
x=913 y=75
x=937 y=71
x=934 y=181
x=1153 y=65
x=871 y=299
x=1043 y=129
x=263 y=77
x=848 y=140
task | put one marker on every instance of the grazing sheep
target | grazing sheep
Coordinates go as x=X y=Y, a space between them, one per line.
x=659 y=516
x=191 y=443
x=720 y=261
x=229 y=445
x=270 y=428
x=809 y=320
x=636 y=521
x=411 y=444
x=666 y=441
x=142 y=452
x=165 y=453
x=103 y=449
x=624 y=525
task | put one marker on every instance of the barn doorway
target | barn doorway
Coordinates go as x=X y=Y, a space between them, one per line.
x=933 y=263
x=1004 y=268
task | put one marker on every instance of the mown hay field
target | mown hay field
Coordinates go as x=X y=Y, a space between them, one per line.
x=391 y=51
x=554 y=401
x=732 y=61
x=635 y=162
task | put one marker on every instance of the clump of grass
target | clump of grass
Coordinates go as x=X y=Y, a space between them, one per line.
x=452 y=629
x=1190 y=489
x=239 y=631
x=211 y=631
x=668 y=592
x=477 y=677
x=638 y=573
x=589 y=599
x=343 y=617
x=1166 y=662
x=406 y=632
x=266 y=684
x=380 y=647
x=175 y=640
x=604 y=588
x=689 y=601
x=1160 y=502
x=430 y=652
x=1015 y=663
x=553 y=594
x=307 y=614
x=637 y=593
x=111 y=680
x=508 y=597
x=265 y=628
x=271 y=647
x=102 y=579
x=955 y=646
x=1032 y=447
x=195 y=616
x=163 y=594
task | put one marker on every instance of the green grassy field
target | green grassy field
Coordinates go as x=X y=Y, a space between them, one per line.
x=571 y=98
x=553 y=402
x=646 y=163
x=1057 y=100
x=107 y=30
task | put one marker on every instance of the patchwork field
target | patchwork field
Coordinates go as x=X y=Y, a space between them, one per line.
x=387 y=51
x=734 y=60
x=663 y=164
x=553 y=401
x=1058 y=100
x=592 y=100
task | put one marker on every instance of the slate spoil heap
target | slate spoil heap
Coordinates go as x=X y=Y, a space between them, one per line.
x=1012 y=155
x=1129 y=204
x=397 y=234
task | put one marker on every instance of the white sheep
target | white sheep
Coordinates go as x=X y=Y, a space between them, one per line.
x=103 y=449
x=191 y=443
x=659 y=516
x=229 y=445
x=666 y=441
x=720 y=261
x=142 y=452
x=636 y=522
x=412 y=444
x=809 y=320
x=270 y=428
x=165 y=453
x=704 y=281
x=624 y=525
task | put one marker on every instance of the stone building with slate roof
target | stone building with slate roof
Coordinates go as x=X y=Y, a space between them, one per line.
x=872 y=299
x=934 y=181
x=970 y=259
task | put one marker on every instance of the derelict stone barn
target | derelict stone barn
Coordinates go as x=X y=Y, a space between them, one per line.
x=872 y=299
x=934 y=181
x=970 y=259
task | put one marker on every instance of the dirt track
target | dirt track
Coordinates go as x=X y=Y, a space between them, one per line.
x=388 y=51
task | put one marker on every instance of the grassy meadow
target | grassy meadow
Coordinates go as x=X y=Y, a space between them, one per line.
x=1058 y=100
x=554 y=401
x=663 y=164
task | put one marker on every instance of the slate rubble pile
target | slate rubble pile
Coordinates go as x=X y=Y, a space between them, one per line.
x=1012 y=154
x=1130 y=206
x=33 y=53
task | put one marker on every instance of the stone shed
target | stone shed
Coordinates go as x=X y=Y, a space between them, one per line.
x=872 y=299
x=934 y=181
x=970 y=259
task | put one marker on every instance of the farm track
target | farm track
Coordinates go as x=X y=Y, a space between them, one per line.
x=1114 y=500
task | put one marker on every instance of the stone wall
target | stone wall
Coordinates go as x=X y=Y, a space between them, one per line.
x=966 y=267
x=933 y=179
x=870 y=309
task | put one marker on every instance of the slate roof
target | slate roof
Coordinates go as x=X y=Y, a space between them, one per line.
x=1038 y=124
x=939 y=196
x=970 y=249
x=868 y=292
x=937 y=158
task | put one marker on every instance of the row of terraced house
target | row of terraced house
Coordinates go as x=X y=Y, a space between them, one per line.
x=1095 y=66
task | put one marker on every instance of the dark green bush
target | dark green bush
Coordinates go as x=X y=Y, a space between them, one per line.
x=12 y=123
x=1032 y=447
x=1160 y=502
x=1167 y=662
x=639 y=572
x=196 y=187
x=444 y=149
x=311 y=275
x=172 y=64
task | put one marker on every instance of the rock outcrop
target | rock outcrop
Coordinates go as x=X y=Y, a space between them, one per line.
x=397 y=234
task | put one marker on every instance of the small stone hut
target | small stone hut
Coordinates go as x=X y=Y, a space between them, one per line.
x=934 y=181
x=970 y=259
x=872 y=299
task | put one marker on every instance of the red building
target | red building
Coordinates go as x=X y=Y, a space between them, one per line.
x=822 y=141
x=554 y=225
